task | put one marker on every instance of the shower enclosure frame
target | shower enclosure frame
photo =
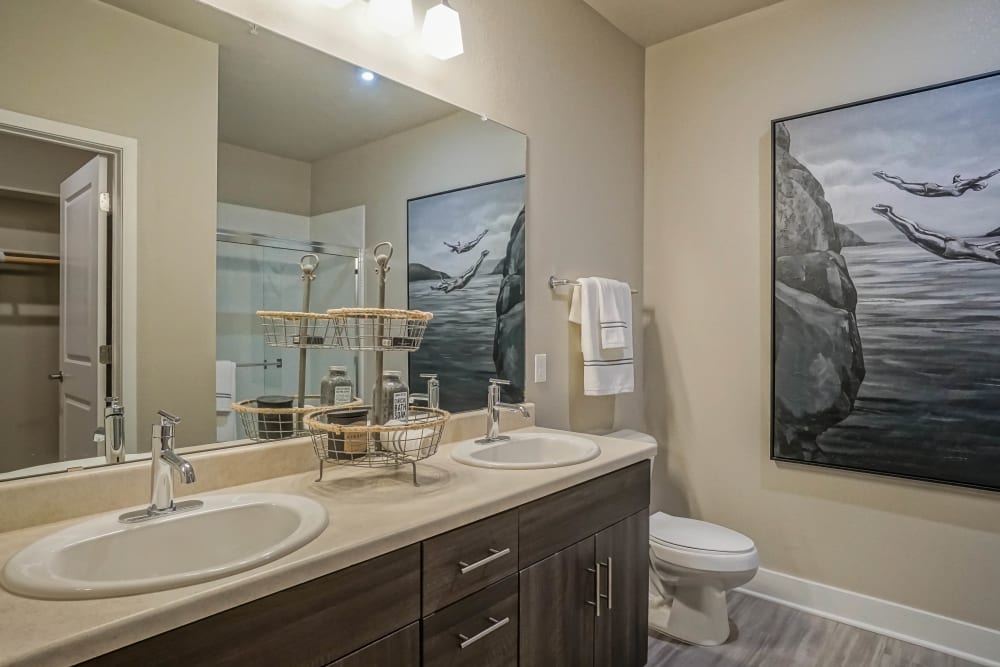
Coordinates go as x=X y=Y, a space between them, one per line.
x=307 y=246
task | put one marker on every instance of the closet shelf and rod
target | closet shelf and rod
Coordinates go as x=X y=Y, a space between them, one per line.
x=26 y=257
x=563 y=282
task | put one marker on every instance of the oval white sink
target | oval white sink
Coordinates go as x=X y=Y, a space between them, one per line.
x=527 y=450
x=103 y=557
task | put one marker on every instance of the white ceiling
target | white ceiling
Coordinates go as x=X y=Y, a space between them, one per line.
x=283 y=98
x=650 y=22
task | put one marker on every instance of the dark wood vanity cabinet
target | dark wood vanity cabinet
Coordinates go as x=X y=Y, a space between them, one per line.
x=585 y=602
x=599 y=588
x=558 y=581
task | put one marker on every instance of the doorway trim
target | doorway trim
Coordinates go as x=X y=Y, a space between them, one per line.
x=124 y=154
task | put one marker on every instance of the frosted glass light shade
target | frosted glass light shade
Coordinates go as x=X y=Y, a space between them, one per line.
x=393 y=17
x=442 y=33
x=336 y=4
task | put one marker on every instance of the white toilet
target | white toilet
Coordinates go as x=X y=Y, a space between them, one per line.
x=691 y=566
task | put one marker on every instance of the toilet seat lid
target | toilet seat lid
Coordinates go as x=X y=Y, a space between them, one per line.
x=693 y=534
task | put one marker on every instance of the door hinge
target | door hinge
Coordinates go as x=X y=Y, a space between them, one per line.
x=105 y=202
x=104 y=354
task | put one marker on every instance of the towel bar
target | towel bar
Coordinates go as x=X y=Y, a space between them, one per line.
x=563 y=282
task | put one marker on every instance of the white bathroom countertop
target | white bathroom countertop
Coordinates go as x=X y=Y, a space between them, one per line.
x=372 y=512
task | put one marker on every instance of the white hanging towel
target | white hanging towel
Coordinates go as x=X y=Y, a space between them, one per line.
x=614 y=306
x=605 y=371
x=225 y=395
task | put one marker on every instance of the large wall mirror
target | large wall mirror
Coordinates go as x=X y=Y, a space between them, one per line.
x=164 y=169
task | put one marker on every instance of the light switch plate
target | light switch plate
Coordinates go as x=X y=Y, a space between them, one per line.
x=541 y=368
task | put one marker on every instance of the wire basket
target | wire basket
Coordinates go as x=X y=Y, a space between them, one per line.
x=267 y=424
x=378 y=329
x=297 y=330
x=341 y=435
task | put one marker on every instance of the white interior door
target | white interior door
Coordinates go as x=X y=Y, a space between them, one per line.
x=82 y=315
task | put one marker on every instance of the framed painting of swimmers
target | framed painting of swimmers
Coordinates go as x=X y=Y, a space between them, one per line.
x=886 y=276
x=466 y=265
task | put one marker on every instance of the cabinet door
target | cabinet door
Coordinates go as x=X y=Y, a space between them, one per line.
x=400 y=649
x=623 y=561
x=557 y=597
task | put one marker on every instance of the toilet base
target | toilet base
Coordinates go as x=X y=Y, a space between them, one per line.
x=695 y=615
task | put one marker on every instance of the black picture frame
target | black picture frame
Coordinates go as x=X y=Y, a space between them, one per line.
x=774 y=455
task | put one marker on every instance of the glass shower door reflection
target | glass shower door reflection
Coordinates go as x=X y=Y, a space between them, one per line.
x=251 y=278
x=334 y=286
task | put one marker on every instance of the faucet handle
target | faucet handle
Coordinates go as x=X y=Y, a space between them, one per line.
x=497 y=381
x=429 y=376
x=165 y=429
x=167 y=419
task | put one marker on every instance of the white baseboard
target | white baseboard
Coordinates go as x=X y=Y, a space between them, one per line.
x=974 y=643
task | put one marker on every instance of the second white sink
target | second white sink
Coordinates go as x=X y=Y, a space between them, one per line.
x=104 y=558
x=527 y=450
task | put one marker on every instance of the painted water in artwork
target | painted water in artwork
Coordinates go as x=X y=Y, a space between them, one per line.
x=887 y=286
x=466 y=265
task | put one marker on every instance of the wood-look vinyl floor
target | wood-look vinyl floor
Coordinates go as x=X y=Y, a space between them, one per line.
x=773 y=635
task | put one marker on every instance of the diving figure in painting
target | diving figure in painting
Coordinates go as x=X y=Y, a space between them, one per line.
x=460 y=247
x=958 y=186
x=946 y=247
x=450 y=285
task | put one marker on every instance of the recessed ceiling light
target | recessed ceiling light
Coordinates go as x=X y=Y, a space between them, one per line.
x=367 y=76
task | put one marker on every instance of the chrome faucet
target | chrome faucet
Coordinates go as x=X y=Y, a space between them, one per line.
x=433 y=396
x=113 y=448
x=164 y=459
x=493 y=410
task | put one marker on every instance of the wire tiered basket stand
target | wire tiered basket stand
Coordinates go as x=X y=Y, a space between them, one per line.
x=301 y=330
x=353 y=434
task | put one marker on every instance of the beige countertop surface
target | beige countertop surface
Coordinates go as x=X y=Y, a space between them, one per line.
x=372 y=512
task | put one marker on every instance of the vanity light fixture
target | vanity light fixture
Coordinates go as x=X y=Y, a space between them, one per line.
x=442 y=33
x=393 y=17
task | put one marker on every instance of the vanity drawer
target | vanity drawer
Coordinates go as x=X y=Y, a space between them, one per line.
x=311 y=624
x=468 y=559
x=555 y=522
x=479 y=631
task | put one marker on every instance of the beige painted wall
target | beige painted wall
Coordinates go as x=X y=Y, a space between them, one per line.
x=260 y=180
x=709 y=98
x=558 y=72
x=85 y=63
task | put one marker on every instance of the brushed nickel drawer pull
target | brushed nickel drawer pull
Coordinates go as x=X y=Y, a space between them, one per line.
x=496 y=625
x=494 y=555
x=611 y=576
x=596 y=604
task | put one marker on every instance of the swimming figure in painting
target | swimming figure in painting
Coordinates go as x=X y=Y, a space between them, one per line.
x=958 y=187
x=946 y=247
x=466 y=247
x=448 y=286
